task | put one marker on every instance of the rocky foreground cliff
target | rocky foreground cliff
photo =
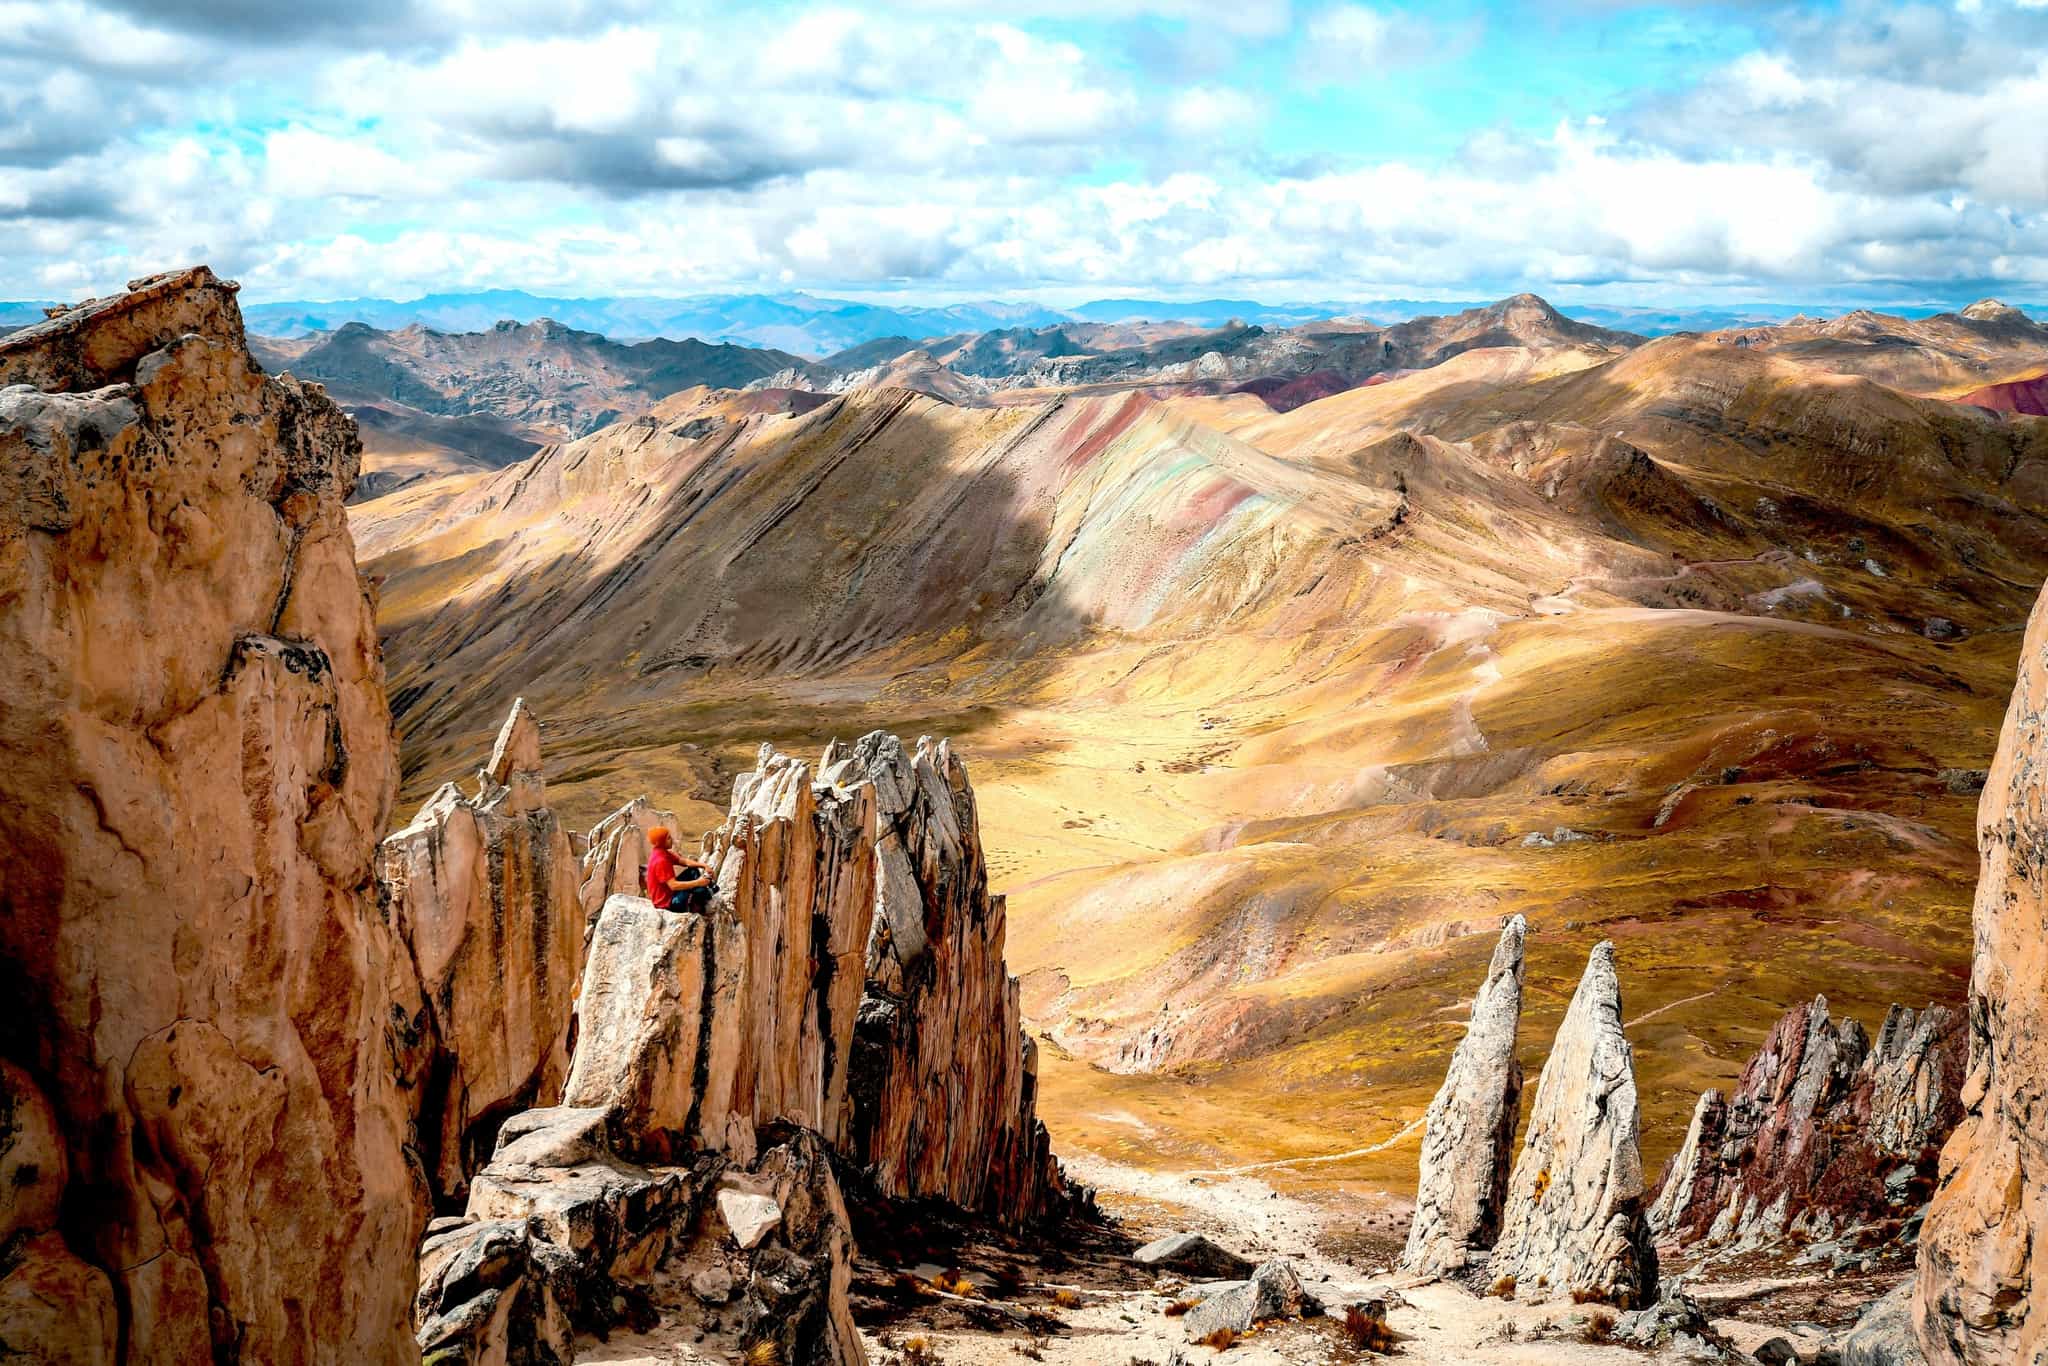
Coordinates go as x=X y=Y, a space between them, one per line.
x=210 y=1018
x=257 y=1043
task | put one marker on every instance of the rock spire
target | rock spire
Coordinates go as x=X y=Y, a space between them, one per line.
x=1574 y=1223
x=1469 y=1132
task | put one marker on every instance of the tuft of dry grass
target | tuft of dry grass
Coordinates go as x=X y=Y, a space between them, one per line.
x=1067 y=1299
x=1223 y=1339
x=1503 y=1289
x=1367 y=1332
x=1600 y=1327
x=918 y=1351
x=1179 y=1307
x=955 y=1282
x=765 y=1353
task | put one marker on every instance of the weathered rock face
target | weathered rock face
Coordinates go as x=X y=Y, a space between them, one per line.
x=615 y=857
x=1574 y=1220
x=1982 y=1293
x=945 y=1080
x=1709 y=1121
x=1469 y=1132
x=199 y=766
x=485 y=889
x=562 y=1235
x=696 y=1029
x=1824 y=1133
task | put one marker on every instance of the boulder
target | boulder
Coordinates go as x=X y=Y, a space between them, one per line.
x=224 y=1023
x=1884 y=1335
x=944 y=1093
x=1273 y=1292
x=1574 y=1221
x=485 y=890
x=1469 y=1131
x=1192 y=1254
x=1984 y=1248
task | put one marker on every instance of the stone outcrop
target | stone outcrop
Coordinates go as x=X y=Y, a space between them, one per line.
x=562 y=1235
x=199 y=765
x=1574 y=1222
x=485 y=889
x=695 y=1029
x=945 y=1080
x=1469 y=1131
x=1686 y=1171
x=1191 y=1254
x=1982 y=1293
x=614 y=857
x=1824 y=1134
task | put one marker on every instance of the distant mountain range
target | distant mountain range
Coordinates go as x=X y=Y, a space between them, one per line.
x=812 y=327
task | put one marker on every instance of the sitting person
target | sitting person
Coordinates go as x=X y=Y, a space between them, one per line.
x=667 y=887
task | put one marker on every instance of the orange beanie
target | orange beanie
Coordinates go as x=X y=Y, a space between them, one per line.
x=658 y=837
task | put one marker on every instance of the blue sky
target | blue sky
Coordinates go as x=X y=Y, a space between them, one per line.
x=1592 y=150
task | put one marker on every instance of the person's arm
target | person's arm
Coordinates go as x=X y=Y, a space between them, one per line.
x=703 y=878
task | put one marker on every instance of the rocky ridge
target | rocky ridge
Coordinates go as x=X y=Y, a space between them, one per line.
x=1826 y=1136
x=843 y=996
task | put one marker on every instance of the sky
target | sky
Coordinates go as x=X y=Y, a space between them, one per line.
x=1053 y=150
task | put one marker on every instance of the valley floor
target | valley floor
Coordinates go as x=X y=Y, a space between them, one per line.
x=1078 y=1300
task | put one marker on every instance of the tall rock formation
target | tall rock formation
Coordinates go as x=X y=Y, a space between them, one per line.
x=615 y=857
x=945 y=1080
x=1982 y=1296
x=1574 y=1222
x=486 y=890
x=696 y=1029
x=1824 y=1134
x=202 y=990
x=1469 y=1132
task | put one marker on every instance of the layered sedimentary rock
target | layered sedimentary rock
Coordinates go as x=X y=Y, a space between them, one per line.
x=1982 y=1294
x=1824 y=1133
x=1574 y=1219
x=1468 y=1133
x=199 y=766
x=945 y=1080
x=485 y=888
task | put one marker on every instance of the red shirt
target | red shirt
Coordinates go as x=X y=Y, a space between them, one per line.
x=661 y=870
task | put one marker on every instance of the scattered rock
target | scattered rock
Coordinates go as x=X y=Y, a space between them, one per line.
x=1574 y=1220
x=1191 y=1254
x=1884 y=1335
x=749 y=1218
x=1469 y=1131
x=1273 y=1292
